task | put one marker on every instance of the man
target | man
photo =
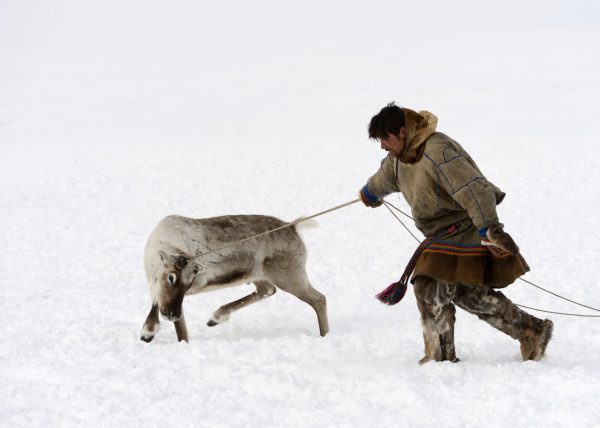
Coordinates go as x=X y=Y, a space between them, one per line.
x=466 y=254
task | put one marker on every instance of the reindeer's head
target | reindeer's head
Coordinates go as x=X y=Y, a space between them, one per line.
x=175 y=279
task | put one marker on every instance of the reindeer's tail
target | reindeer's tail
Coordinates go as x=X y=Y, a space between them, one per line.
x=300 y=223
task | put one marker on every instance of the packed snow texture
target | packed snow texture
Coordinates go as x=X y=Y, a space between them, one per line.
x=115 y=114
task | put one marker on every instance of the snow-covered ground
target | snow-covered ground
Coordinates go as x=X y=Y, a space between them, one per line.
x=115 y=114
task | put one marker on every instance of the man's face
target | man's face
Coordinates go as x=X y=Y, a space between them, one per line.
x=394 y=144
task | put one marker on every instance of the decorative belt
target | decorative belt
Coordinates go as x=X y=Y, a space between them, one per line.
x=396 y=291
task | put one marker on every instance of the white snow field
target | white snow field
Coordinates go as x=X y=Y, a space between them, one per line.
x=115 y=114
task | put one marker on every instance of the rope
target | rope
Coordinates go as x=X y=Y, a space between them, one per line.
x=295 y=222
x=407 y=229
x=559 y=296
x=388 y=205
x=399 y=210
x=558 y=313
x=301 y=219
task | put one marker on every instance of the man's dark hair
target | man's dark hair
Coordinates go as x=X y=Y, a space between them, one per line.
x=388 y=121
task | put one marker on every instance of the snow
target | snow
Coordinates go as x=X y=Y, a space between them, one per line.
x=116 y=114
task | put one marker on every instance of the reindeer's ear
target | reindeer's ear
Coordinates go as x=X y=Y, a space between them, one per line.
x=167 y=259
x=177 y=260
x=163 y=256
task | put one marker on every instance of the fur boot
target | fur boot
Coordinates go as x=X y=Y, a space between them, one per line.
x=533 y=343
x=437 y=320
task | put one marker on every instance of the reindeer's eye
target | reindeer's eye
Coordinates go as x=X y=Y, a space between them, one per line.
x=182 y=262
x=195 y=271
x=171 y=279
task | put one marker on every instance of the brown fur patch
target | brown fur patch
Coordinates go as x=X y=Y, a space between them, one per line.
x=417 y=132
x=228 y=278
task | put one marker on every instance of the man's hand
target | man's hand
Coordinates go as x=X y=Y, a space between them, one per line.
x=498 y=241
x=496 y=251
x=368 y=198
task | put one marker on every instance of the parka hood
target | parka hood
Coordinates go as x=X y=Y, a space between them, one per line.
x=419 y=127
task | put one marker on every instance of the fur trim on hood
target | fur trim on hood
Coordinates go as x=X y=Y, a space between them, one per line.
x=419 y=127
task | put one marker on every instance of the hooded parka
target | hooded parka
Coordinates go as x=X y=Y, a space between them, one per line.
x=451 y=201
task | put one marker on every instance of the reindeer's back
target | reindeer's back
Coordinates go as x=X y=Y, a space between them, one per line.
x=194 y=236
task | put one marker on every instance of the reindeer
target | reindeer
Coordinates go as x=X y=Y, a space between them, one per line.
x=187 y=256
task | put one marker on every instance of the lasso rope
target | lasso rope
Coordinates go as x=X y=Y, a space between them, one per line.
x=293 y=223
x=388 y=205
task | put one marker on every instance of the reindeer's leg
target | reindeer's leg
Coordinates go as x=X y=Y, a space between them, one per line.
x=297 y=284
x=263 y=289
x=151 y=325
x=181 y=328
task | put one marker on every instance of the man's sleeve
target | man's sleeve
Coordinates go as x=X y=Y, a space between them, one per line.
x=383 y=182
x=467 y=186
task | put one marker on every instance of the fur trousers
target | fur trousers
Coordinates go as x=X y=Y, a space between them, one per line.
x=436 y=302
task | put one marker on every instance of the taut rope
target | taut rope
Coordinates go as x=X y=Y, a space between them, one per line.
x=388 y=205
x=295 y=222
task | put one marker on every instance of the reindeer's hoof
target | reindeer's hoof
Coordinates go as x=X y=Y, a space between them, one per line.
x=148 y=334
x=217 y=318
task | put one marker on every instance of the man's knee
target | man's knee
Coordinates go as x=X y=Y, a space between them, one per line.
x=478 y=299
x=420 y=287
x=425 y=289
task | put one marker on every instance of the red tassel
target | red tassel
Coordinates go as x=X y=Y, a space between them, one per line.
x=393 y=294
x=396 y=291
